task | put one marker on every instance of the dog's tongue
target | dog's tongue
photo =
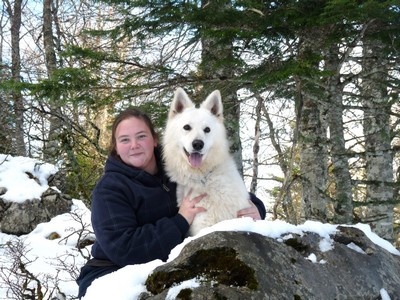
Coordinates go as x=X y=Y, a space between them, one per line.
x=195 y=160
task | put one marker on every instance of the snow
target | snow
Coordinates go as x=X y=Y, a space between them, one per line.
x=48 y=257
x=312 y=257
x=355 y=248
x=11 y=177
x=174 y=291
x=384 y=294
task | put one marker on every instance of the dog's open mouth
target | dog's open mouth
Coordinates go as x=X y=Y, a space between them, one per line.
x=195 y=158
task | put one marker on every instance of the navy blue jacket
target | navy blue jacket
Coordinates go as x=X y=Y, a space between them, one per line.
x=135 y=216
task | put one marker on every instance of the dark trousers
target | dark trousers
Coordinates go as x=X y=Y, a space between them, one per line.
x=90 y=273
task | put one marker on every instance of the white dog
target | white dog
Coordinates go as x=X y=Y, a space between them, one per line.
x=197 y=158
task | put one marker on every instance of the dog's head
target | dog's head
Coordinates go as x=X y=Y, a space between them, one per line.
x=198 y=132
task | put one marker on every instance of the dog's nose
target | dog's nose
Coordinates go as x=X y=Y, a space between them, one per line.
x=198 y=145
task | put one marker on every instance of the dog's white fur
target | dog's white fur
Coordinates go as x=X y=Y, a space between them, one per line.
x=217 y=175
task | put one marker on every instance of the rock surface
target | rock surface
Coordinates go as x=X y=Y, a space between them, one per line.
x=242 y=265
x=21 y=218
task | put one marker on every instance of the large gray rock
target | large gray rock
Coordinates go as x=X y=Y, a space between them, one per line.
x=242 y=265
x=22 y=218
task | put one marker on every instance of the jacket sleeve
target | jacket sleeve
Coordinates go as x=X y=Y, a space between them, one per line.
x=259 y=204
x=119 y=235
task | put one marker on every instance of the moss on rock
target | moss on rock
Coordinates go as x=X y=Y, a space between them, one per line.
x=217 y=265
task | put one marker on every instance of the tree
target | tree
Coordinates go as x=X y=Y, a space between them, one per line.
x=14 y=13
x=217 y=67
x=312 y=137
x=378 y=153
x=5 y=111
x=51 y=147
x=334 y=110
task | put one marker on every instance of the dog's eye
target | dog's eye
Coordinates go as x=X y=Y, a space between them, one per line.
x=207 y=129
x=187 y=127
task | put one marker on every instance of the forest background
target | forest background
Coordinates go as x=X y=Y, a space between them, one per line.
x=310 y=91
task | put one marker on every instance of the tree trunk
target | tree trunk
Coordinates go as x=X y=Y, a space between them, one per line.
x=342 y=194
x=256 y=145
x=378 y=209
x=52 y=147
x=312 y=139
x=217 y=69
x=18 y=101
x=102 y=120
x=5 y=122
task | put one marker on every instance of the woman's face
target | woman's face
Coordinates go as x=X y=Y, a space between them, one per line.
x=135 y=144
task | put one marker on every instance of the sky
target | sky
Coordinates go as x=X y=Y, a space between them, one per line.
x=47 y=257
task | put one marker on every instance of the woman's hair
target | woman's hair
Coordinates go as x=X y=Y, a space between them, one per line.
x=128 y=113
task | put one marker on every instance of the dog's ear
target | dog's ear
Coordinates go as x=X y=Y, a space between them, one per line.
x=180 y=103
x=213 y=103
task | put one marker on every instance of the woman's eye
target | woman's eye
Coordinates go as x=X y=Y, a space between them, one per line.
x=207 y=129
x=187 y=127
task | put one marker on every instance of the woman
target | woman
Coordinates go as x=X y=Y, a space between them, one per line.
x=134 y=211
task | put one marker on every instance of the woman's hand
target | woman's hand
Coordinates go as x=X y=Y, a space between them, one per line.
x=188 y=208
x=250 y=211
